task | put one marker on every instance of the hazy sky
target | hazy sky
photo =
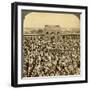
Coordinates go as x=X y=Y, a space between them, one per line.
x=37 y=19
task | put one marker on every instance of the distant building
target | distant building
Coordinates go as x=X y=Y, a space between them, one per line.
x=49 y=29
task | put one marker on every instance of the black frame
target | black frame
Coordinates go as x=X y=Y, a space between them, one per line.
x=14 y=41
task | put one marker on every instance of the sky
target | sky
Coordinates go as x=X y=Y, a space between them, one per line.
x=38 y=19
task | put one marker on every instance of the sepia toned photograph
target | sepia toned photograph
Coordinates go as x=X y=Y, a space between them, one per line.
x=49 y=44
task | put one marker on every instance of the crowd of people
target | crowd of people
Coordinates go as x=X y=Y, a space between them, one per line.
x=50 y=55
